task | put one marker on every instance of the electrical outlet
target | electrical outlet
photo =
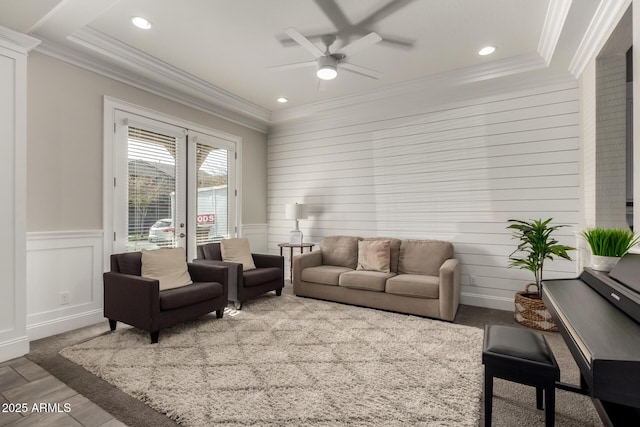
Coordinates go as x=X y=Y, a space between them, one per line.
x=63 y=298
x=472 y=280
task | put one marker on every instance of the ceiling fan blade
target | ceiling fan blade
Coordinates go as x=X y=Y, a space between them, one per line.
x=334 y=13
x=359 y=69
x=322 y=85
x=383 y=12
x=304 y=42
x=294 y=65
x=360 y=44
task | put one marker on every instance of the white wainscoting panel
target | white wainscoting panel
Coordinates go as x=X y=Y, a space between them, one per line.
x=64 y=281
x=455 y=172
x=258 y=237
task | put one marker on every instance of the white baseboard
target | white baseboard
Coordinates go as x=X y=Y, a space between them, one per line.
x=64 y=324
x=487 y=301
x=14 y=348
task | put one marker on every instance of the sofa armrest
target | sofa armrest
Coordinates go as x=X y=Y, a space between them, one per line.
x=201 y=272
x=266 y=261
x=129 y=298
x=449 y=288
x=302 y=261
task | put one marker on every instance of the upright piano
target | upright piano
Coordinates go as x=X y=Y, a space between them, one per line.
x=598 y=315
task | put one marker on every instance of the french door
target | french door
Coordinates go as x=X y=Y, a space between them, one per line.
x=172 y=186
x=211 y=187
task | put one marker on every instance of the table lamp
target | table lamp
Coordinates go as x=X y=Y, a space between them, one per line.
x=295 y=211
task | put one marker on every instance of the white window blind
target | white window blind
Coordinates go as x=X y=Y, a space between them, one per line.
x=151 y=188
x=212 y=203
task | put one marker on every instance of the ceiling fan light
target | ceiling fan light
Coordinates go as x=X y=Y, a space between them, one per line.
x=327 y=68
x=327 y=72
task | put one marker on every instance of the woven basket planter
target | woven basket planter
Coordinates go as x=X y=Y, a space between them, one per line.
x=531 y=312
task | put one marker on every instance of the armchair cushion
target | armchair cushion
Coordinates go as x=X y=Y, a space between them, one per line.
x=237 y=250
x=127 y=263
x=189 y=294
x=168 y=266
x=259 y=276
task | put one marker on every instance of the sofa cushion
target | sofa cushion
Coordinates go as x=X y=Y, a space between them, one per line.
x=237 y=250
x=414 y=285
x=341 y=251
x=189 y=295
x=423 y=256
x=394 y=251
x=365 y=280
x=260 y=276
x=168 y=266
x=324 y=274
x=374 y=255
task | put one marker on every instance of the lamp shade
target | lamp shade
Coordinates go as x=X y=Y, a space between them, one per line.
x=294 y=211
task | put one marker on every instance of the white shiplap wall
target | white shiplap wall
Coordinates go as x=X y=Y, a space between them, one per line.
x=453 y=172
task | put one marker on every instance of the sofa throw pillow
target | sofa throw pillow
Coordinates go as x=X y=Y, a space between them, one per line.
x=237 y=250
x=374 y=255
x=169 y=266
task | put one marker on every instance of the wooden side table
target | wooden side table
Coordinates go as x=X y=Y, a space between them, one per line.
x=291 y=247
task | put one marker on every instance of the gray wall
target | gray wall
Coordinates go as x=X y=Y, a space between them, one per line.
x=64 y=159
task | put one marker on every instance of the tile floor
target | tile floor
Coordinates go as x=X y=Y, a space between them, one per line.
x=30 y=396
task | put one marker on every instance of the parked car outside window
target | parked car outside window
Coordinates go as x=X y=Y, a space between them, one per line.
x=162 y=232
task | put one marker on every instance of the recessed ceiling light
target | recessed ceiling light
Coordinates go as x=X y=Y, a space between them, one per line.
x=487 y=50
x=282 y=100
x=141 y=22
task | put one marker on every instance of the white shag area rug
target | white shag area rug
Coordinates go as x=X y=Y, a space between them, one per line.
x=296 y=361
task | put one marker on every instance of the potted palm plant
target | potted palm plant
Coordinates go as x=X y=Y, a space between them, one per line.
x=536 y=246
x=608 y=245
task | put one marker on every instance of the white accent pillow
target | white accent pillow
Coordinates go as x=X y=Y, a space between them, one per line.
x=237 y=250
x=169 y=266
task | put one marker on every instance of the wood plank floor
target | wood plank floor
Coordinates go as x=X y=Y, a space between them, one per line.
x=30 y=396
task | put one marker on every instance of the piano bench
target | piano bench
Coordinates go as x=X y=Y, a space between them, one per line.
x=522 y=356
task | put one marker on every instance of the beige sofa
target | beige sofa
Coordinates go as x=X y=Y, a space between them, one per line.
x=421 y=277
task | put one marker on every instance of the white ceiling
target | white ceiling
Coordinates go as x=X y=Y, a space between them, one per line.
x=222 y=48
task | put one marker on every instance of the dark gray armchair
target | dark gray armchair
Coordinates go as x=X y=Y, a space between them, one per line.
x=245 y=285
x=138 y=301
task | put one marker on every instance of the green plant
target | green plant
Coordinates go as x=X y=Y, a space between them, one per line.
x=536 y=246
x=614 y=242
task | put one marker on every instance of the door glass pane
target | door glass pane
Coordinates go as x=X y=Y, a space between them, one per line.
x=212 y=205
x=151 y=190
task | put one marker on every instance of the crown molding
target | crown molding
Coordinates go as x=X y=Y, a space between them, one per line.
x=16 y=41
x=121 y=62
x=553 y=24
x=607 y=15
x=154 y=68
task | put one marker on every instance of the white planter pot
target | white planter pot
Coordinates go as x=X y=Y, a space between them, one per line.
x=603 y=263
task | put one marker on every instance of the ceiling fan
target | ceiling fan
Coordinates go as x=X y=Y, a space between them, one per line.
x=327 y=62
